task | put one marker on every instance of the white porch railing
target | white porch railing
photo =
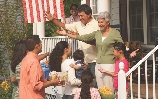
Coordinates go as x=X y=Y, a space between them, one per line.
x=48 y=43
x=122 y=93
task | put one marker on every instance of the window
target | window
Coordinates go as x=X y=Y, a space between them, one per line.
x=152 y=14
x=94 y=8
x=136 y=20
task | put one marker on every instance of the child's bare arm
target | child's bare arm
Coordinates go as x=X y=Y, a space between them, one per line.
x=107 y=72
x=75 y=66
x=42 y=56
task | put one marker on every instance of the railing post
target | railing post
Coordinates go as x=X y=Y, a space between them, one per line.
x=121 y=82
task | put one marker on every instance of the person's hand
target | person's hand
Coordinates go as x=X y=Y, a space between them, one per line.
x=55 y=80
x=72 y=65
x=85 y=65
x=49 y=16
x=48 y=53
x=102 y=70
x=61 y=83
x=116 y=75
x=74 y=33
x=62 y=32
x=13 y=79
x=133 y=54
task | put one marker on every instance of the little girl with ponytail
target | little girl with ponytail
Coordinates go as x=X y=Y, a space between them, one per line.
x=86 y=91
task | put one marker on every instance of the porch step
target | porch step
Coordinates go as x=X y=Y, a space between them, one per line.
x=143 y=91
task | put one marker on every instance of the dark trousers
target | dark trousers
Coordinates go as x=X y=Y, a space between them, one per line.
x=68 y=97
x=91 y=67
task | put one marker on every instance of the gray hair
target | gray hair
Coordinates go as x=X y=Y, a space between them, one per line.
x=104 y=15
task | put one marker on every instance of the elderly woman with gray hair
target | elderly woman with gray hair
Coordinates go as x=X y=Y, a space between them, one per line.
x=105 y=39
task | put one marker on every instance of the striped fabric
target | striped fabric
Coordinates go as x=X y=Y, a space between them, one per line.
x=34 y=9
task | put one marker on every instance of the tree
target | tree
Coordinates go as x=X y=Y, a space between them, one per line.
x=50 y=28
x=13 y=28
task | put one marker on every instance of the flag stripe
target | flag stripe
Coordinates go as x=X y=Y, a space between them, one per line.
x=25 y=11
x=51 y=7
x=55 y=8
x=31 y=11
x=45 y=2
x=48 y=6
x=58 y=8
x=37 y=10
x=28 y=11
x=62 y=9
x=40 y=11
x=43 y=11
x=34 y=9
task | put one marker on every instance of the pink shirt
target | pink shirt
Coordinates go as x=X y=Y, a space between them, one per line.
x=31 y=78
x=126 y=68
x=94 y=93
x=70 y=20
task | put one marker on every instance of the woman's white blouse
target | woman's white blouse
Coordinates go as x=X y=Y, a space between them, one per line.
x=71 y=85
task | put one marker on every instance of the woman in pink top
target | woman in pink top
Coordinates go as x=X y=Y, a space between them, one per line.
x=73 y=15
x=86 y=91
x=119 y=50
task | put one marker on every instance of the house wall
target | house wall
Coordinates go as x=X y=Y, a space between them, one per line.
x=118 y=13
x=115 y=19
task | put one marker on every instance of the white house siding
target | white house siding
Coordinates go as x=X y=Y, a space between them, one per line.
x=111 y=6
x=115 y=12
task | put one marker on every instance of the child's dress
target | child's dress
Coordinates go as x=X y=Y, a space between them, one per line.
x=126 y=68
x=94 y=93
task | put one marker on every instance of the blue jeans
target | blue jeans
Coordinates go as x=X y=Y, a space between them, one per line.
x=91 y=67
x=68 y=97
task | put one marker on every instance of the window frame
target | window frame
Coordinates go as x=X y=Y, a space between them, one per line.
x=136 y=15
x=145 y=22
x=149 y=27
x=92 y=5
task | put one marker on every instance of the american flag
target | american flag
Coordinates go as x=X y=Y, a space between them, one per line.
x=34 y=9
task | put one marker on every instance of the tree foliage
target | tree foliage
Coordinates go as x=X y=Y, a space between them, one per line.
x=13 y=28
x=50 y=28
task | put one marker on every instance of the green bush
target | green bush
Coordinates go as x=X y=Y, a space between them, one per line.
x=6 y=94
